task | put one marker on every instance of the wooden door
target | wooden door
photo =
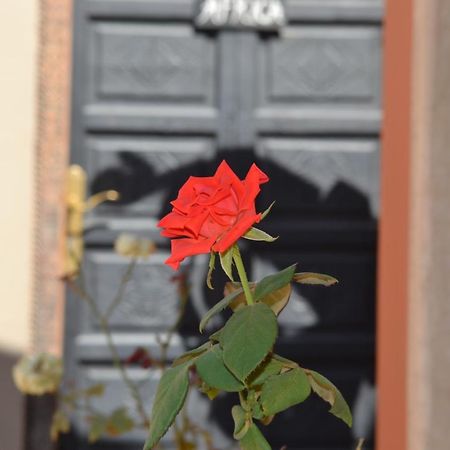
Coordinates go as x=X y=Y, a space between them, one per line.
x=158 y=97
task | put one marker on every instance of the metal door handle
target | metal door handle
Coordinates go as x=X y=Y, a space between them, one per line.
x=77 y=206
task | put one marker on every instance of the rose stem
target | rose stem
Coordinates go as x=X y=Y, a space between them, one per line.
x=242 y=274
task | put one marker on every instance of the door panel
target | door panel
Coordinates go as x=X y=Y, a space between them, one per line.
x=138 y=312
x=322 y=64
x=138 y=166
x=319 y=79
x=328 y=167
x=160 y=63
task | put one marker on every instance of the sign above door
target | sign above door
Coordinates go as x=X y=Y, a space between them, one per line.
x=241 y=14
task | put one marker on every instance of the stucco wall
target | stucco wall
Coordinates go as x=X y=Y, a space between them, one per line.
x=18 y=47
x=18 y=70
x=429 y=355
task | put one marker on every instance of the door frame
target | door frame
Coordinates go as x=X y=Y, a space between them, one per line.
x=394 y=256
x=52 y=150
x=50 y=171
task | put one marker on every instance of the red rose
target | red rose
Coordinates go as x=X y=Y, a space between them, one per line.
x=212 y=213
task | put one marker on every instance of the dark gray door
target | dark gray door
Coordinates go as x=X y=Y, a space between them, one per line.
x=157 y=99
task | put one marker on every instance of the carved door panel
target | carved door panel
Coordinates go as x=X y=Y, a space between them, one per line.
x=145 y=115
x=316 y=124
x=157 y=98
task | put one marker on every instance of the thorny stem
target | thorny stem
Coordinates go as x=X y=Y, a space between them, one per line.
x=104 y=326
x=242 y=275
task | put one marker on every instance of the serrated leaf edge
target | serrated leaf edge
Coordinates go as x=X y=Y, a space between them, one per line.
x=218 y=308
x=173 y=415
x=260 y=362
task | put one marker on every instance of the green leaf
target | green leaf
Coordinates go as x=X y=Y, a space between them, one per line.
x=267 y=420
x=280 y=392
x=226 y=261
x=255 y=234
x=70 y=399
x=269 y=367
x=241 y=424
x=97 y=427
x=315 y=278
x=170 y=397
x=277 y=300
x=239 y=301
x=191 y=354
x=249 y=399
x=60 y=424
x=254 y=440
x=212 y=371
x=252 y=405
x=274 y=282
x=267 y=211
x=257 y=411
x=215 y=337
x=211 y=392
x=217 y=308
x=247 y=338
x=326 y=390
x=212 y=262
x=119 y=422
x=96 y=390
x=287 y=363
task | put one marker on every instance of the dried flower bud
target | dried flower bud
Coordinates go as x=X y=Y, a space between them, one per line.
x=38 y=374
x=142 y=357
x=131 y=246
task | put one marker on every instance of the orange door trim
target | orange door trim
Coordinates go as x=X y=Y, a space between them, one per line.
x=392 y=302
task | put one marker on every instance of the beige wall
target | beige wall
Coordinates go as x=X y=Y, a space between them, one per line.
x=18 y=71
x=429 y=355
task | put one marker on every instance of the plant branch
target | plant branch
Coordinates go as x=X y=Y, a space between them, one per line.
x=242 y=274
x=164 y=345
x=105 y=328
x=121 y=291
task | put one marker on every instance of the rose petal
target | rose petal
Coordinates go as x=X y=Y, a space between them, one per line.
x=189 y=192
x=193 y=185
x=218 y=196
x=235 y=232
x=213 y=229
x=182 y=248
x=174 y=225
x=170 y=233
x=173 y=220
x=255 y=177
x=225 y=174
x=194 y=225
x=256 y=174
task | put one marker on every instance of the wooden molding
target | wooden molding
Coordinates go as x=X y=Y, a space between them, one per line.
x=55 y=49
x=394 y=256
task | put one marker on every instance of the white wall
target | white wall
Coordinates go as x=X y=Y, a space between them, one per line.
x=18 y=81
